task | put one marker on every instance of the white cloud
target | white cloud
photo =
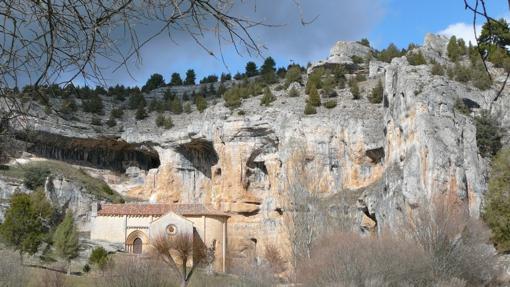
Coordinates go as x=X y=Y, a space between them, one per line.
x=462 y=30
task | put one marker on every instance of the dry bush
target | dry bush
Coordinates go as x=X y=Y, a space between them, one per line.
x=274 y=259
x=439 y=247
x=49 y=278
x=137 y=272
x=12 y=273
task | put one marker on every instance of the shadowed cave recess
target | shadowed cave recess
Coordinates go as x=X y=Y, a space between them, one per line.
x=101 y=153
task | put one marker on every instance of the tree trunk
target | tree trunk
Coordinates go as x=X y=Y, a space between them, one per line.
x=184 y=283
x=69 y=267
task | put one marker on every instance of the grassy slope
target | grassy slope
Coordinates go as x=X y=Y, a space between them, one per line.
x=93 y=185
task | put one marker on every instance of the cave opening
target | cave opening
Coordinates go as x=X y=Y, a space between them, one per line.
x=201 y=154
x=101 y=153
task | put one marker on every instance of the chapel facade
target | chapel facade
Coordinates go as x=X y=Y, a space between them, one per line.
x=132 y=226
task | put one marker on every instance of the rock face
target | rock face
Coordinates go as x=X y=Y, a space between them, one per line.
x=369 y=164
x=342 y=54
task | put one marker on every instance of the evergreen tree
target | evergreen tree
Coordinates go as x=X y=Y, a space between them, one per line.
x=488 y=134
x=136 y=100
x=389 y=53
x=175 y=80
x=190 y=77
x=416 y=59
x=268 y=70
x=99 y=258
x=454 y=52
x=66 y=240
x=187 y=107
x=93 y=104
x=267 y=98
x=494 y=40
x=356 y=95
x=364 y=42
x=140 y=113
x=176 y=106
x=314 y=98
x=24 y=225
x=225 y=77
x=496 y=211
x=251 y=69
x=376 y=96
x=309 y=109
x=201 y=103
x=155 y=81
x=293 y=75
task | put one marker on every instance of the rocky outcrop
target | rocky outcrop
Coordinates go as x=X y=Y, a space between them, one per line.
x=369 y=165
x=342 y=53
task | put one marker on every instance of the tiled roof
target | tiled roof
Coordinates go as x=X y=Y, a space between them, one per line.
x=141 y=209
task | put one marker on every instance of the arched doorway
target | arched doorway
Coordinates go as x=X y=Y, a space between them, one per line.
x=135 y=242
x=137 y=246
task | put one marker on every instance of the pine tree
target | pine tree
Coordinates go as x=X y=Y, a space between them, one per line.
x=376 y=96
x=141 y=113
x=314 y=98
x=25 y=223
x=453 y=49
x=99 y=258
x=356 y=95
x=175 y=80
x=176 y=106
x=201 y=103
x=267 y=98
x=66 y=240
x=268 y=70
x=155 y=81
x=190 y=77
x=251 y=69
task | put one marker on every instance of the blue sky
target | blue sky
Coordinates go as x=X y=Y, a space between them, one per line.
x=382 y=21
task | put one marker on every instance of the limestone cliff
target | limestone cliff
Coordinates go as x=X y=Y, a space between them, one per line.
x=369 y=164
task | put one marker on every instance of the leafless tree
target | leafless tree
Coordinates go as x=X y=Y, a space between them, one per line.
x=179 y=251
x=47 y=42
x=303 y=205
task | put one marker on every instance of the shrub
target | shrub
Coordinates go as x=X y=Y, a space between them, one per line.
x=497 y=201
x=68 y=106
x=116 y=113
x=293 y=92
x=462 y=73
x=201 y=103
x=440 y=245
x=315 y=79
x=162 y=121
x=314 y=98
x=330 y=104
x=241 y=113
x=111 y=122
x=309 y=109
x=356 y=95
x=135 y=101
x=140 y=113
x=437 y=69
x=480 y=78
x=293 y=75
x=94 y=104
x=267 y=98
x=364 y=42
x=376 y=96
x=357 y=59
x=35 y=177
x=488 y=134
x=461 y=107
x=187 y=107
x=176 y=106
x=416 y=59
x=156 y=105
x=99 y=258
x=96 y=121
x=232 y=98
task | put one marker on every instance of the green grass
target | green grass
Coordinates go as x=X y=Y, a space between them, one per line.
x=94 y=186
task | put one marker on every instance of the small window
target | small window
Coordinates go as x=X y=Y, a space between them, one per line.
x=171 y=229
